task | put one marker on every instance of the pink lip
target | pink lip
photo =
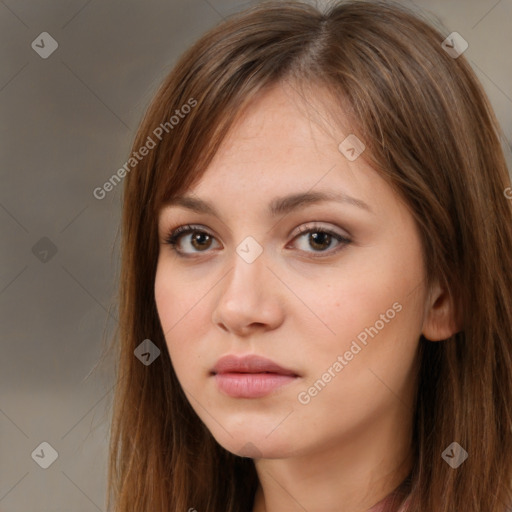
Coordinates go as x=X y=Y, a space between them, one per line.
x=251 y=376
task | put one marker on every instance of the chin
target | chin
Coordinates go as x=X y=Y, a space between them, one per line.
x=255 y=444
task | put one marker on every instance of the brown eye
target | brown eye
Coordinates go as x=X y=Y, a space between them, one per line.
x=320 y=239
x=199 y=239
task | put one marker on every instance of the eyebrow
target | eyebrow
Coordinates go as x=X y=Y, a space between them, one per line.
x=278 y=206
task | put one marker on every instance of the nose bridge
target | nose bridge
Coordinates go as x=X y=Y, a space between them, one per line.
x=249 y=268
x=250 y=250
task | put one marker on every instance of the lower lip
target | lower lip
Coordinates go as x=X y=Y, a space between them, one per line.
x=251 y=385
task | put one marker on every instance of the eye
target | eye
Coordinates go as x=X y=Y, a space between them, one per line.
x=321 y=238
x=317 y=237
x=200 y=239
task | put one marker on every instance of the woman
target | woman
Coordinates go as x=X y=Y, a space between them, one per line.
x=316 y=275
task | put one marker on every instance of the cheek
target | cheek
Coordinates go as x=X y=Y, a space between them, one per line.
x=361 y=293
x=183 y=313
x=372 y=313
x=178 y=303
x=370 y=329
x=357 y=373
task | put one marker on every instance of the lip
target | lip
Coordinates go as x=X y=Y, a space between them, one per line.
x=251 y=363
x=250 y=376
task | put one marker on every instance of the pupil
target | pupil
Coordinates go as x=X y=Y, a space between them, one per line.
x=319 y=236
x=196 y=239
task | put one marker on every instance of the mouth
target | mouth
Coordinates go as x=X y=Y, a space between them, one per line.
x=251 y=376
x=251 y=385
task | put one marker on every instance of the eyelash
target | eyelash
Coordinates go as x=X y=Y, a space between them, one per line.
x=174 y=236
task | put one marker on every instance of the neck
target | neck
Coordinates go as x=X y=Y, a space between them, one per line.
x=355 y=475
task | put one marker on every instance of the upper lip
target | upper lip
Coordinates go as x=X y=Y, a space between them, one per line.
x=249 y=364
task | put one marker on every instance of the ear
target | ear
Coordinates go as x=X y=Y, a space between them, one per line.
x=440 y=320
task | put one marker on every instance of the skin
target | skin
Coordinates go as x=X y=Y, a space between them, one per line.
x=350 y=445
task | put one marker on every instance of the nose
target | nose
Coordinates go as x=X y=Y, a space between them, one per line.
x=250 y=298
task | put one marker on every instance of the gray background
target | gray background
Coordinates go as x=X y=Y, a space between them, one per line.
x=67 y=125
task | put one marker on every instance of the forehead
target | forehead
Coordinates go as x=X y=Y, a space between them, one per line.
x=278 y=121
x=281 y=149
x=281 y=137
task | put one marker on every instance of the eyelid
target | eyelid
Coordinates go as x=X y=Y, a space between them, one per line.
x=186 y=229
x=180 y=228
x=308 y=226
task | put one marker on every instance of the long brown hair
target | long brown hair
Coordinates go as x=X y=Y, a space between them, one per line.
x=430 y=131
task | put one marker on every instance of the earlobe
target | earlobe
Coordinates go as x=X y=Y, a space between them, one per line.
x=440 y=319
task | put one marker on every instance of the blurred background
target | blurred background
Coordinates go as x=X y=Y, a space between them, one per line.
x=75 y=79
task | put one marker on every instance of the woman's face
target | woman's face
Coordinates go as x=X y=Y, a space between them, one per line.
x=342 y=312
